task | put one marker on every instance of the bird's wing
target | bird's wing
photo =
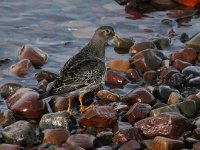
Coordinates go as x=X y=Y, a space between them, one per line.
x=79 y=75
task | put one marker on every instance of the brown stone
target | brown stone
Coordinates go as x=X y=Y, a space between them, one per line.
x=180 y=65
x=123 y=132
x=58 y=103
x=174 y=98
x=132 y=74
x=169 y=124
x=164 y=143
x=195 y=82
x=114 y=80
x=81 y=140
x=9 y=147
x=26 y=103
x=130 y=145
x=49 y=76
x=150 y=75
x=168 y=108
x=99 y=116
x=138 y=47
x=140 y=95
x=137 y=112
x=118 y=65
x=55 y=136
x=147 y=60
x=6 y=117
x=196 y=146
x=186 y=54
x=34 y=54
x=166 y=73
x=21 y=68
x=164 y=4
x=107 y=95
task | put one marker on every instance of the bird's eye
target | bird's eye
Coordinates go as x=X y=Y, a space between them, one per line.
x=107 y=31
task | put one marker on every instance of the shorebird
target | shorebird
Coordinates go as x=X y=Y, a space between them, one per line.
x=84 y=71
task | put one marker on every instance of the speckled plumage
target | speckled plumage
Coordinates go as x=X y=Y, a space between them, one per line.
x=85 y=68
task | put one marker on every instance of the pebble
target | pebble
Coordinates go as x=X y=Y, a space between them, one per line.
x=137 y=112
x=6 y=117
x=150 y=75
x=132 y=74
x=49 y=76
x=147 y=60
x=107 y=95
x=10 y=147
x=168 y=124
x=186 y=54
x=58 y=103
x=166 y=143
x=118 y=65
x=55 y=120
x=99 y=116
x=85 y=141
x=194 y=42
x=191 y=70
x=174 y=98
x=26 y=102
x=114 y=80
x=130 y=145
x=180 y=65
x=165 y=91
x=164 y=4
x=196 y=146
x=55 y=136
x=37 y=56
x=19 y=133
x=162 y=43
x=195 y=82
x=138 y=47
x=21 y=68
x=140 y=95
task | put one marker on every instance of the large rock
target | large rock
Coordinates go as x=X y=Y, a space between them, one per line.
x=146 y=60
x=118 y=65
x=82 y=140
x=37 y=56
x=19 y=133
x=169 y=124
x=140 y=95
x=166 y=143
x=99 y=116
x=26 y=103
x=60 y=119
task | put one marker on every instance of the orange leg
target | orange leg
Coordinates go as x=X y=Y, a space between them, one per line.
x=82 y=108
x=69 y=109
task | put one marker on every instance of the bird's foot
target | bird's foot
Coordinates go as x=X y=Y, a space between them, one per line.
x=83 y=108
x=69 y=109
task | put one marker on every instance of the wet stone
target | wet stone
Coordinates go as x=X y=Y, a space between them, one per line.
x=49 y=76
x=194 y=42
x=130 y=145
x=105 y=137
x=166 y=73
x=147 y=143
x=123 y=43
x=55 y=136
x=10 y=147
x=19 y=133
x=123 y=132
x=137 y=112
x=21 y=68
x=196 y=146
x=58 y=103
x=114 y=80
x=166 y=143
x=168 y=124
x=107 y=95
x=146 y=60
x=118 y=65
x=140 y=95
x=26 y=102
x=180 y=65
x=60 y=119
x=174 y=98
x=162 y=43
x=138 y=47
x=99 y=116
x=150 y=75
x=42 y=85
x=9 y=88
x=165 y=91
x=37 y=56
x=170 y=108
x=132 y=74
x=186 y=54
x=189 y=108
x=6 y=117
x=85 y=141
x=191 y=70
x=195 y=82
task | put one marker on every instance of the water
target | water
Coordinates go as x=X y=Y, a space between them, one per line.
x=62 y=27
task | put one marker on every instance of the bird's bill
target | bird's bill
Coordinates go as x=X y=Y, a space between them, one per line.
x=117 y=39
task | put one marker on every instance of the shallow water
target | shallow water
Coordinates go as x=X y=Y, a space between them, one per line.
x=62 y=27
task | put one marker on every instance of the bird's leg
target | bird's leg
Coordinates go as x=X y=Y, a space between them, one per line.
x=69 y=109
x=82 y=108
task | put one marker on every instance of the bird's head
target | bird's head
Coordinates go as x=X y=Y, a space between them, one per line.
x=104 y=33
